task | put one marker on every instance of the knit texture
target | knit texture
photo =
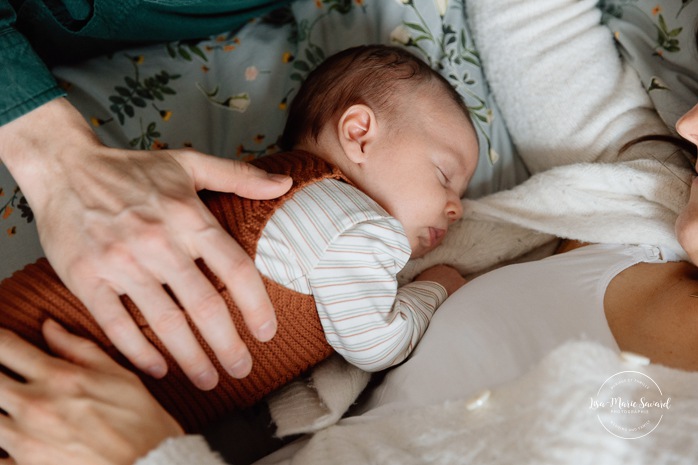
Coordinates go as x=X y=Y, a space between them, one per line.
x=36 y=293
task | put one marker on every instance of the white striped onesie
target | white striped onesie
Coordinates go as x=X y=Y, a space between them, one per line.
x=334 y=242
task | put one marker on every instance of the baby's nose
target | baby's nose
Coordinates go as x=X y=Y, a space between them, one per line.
x=454 y=211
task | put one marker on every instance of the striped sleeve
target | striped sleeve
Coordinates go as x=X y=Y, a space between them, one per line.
x=333 y=241
x=366 y=318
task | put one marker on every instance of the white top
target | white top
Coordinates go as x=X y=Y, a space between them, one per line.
x=498 y=326
x=333 y=241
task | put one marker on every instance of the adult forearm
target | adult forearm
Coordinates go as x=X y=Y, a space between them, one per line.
x=563 y=89
x=40 y=144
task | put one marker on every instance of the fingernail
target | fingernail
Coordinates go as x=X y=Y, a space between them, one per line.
x=278 y=177
x=157 y=371
x=207 y=380
x=241 y=368
x=266 y=331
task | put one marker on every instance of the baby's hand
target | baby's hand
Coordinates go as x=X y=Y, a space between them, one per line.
x=445 y=275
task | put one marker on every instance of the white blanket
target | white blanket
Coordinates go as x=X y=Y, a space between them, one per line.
x=545 y=417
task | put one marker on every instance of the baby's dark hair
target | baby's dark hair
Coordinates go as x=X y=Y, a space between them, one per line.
x=370 y=75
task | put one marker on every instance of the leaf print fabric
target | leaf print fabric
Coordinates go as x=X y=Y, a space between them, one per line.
x=658 y=39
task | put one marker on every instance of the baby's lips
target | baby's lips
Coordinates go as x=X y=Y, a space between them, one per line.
x=436 y=235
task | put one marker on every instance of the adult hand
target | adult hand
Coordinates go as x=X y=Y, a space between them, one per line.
x=445 y=275
x=84 y=410
x=115 y=222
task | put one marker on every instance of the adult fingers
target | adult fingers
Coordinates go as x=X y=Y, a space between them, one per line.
x=9 y=397
x=78 y=350
x=39 y=369
x=165 y=261
x=210 y=314
x=170 y=325
x=21 y=357
x=173 y=264
x=120 y=328
x=223 y=175
x=8 y=438
x=237 y=271
x=221 y=253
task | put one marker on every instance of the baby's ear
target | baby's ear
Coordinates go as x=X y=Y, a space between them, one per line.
x=357 y=129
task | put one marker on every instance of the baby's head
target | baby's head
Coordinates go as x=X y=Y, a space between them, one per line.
x=396 y=128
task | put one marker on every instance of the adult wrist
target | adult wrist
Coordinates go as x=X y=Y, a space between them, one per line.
x=36 y=146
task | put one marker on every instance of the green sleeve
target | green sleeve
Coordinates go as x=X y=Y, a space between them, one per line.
x=73 y=30
x=26 y=81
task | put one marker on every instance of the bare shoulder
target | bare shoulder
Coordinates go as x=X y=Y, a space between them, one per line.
x=652 y=309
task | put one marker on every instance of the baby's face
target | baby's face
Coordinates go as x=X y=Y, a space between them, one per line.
x=425 y=165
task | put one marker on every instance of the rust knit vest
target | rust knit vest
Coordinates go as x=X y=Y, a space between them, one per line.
x=36 y=293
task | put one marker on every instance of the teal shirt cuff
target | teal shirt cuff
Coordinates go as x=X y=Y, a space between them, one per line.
x=26 y=81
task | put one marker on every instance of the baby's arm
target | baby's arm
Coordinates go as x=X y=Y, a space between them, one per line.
x=366 y=318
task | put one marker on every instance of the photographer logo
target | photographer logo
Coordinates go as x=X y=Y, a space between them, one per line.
x=630 y=405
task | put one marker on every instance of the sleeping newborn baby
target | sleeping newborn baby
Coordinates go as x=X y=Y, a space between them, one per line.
x=378 y=176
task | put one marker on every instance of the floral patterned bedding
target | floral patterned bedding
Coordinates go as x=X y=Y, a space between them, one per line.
x=227 y=95
x=658 y=39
